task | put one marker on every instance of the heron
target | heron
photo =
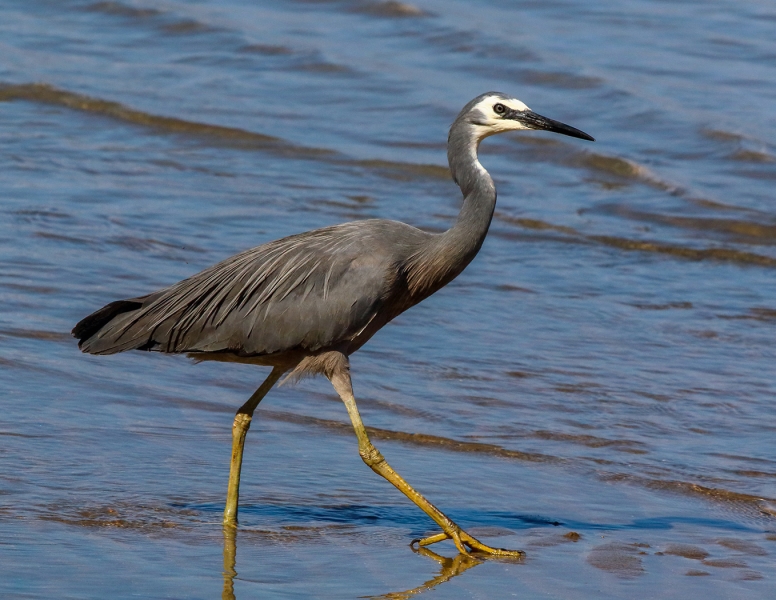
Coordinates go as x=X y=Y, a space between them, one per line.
x=304 y=303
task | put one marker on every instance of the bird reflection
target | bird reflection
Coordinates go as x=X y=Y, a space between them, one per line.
x=451 y=567
x=230 y=556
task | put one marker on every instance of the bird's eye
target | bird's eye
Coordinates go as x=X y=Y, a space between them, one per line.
x=499 y=108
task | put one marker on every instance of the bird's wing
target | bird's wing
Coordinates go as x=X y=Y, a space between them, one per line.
x=306 y=292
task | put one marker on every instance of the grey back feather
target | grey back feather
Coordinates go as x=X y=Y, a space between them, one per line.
x=307 y=292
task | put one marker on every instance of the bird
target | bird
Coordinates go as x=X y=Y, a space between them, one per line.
x=304 y=303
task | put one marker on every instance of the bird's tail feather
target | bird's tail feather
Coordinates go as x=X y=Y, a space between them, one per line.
x=98 y=334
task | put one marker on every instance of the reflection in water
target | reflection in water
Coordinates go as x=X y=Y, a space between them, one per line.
x=451 y=567
x=230 y=556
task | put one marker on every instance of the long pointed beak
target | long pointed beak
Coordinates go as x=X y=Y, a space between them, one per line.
x=533 y=121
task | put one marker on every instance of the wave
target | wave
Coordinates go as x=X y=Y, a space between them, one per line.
x=753 y=507
x=250 y=140
x=570 y=234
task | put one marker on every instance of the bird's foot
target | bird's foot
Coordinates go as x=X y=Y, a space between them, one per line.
x=461 y=539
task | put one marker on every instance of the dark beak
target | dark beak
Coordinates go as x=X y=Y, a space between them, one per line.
x=533 y=121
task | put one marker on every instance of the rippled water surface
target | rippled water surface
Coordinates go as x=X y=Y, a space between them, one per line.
x=597 y=388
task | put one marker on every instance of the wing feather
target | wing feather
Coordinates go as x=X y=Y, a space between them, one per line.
x=306 y=291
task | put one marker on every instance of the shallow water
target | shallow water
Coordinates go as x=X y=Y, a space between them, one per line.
x=597 y=388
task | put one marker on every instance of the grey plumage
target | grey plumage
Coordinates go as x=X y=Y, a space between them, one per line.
x=297 y=293
x=304 y=303
x=325 y=289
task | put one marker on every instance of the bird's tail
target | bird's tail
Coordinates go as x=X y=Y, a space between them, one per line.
x=102 y=331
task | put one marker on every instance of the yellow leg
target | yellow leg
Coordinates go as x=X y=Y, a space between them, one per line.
x=242 y=422
x=372 y=457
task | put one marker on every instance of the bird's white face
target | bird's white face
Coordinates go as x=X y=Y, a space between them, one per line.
x=496 y=114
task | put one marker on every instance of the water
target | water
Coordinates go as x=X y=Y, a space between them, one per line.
x=597 y=388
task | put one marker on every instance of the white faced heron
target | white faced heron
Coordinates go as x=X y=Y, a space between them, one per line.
x=303 y=304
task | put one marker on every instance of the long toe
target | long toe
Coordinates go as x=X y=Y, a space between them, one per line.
x=464 y=539
x=478 y=546
x=432 y=539
x=456 y=536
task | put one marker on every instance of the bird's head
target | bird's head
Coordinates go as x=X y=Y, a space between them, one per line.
x=495 y=112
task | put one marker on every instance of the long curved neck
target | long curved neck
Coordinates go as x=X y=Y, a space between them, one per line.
x=479 y=193
x=447 y=254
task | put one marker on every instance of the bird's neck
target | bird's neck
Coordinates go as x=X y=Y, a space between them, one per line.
x=479 y=193
x=447 y=254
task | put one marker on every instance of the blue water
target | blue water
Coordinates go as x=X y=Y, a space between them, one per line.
x=604 y=367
